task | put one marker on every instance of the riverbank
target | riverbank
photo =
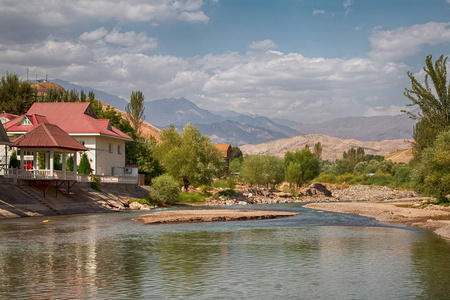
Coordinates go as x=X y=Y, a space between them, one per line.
x=210 y=215
x=407 y=212
x=26 y=201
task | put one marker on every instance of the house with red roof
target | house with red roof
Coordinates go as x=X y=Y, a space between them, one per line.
x=105 y=143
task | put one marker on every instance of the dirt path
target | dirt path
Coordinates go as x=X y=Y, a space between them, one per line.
x=210 y=215
x=431 y=217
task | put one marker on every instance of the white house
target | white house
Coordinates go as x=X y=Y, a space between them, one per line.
x=106 y=143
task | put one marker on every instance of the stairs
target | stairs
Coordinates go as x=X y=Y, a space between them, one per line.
x=31 y=193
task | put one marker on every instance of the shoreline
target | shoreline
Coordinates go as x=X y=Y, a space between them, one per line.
x=407 y=212
x=210 y=215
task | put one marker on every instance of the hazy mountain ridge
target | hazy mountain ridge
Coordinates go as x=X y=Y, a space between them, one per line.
x=363 y=128
x=333 y=147
x=227 y=126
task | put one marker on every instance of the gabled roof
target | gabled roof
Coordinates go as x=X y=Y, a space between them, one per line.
x=48 y=135
x=76 y=118
x=15 y=125
x=5 y=117
x=223 y=148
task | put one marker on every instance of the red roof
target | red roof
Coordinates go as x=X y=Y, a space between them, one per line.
x=48 y=135
x=76 y=118
x=223 y=148
x=5 y=117
x=15 y=125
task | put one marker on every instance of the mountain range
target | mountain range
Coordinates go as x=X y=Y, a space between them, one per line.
x=239 y=129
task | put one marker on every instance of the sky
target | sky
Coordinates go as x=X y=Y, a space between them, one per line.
x=304 y=60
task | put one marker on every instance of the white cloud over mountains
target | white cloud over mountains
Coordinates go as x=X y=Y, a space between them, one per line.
x=261 y=81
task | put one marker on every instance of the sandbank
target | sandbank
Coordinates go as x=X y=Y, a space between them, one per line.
x=432 y=217
x=210 y=215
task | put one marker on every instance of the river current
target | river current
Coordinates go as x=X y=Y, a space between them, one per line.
x=316 y=255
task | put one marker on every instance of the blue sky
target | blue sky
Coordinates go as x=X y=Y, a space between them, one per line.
x=304 y=60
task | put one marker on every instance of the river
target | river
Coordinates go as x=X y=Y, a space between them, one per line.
x=316 y=255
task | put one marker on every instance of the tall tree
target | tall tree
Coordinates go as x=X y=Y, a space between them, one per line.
x=318 y=150
x=433 y=102
x=301 y=166
x=16 y=96
x=135 y=109
x=189 y=157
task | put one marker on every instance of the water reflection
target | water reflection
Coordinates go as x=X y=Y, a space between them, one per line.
x=111 y=257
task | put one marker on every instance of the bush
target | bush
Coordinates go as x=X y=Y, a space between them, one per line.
x=191 y=197
x=326 y=178
x=347 y=177
x=381 y=179
x=228 y=183
x=95 y=183
x=165 y=190
x=402 y=177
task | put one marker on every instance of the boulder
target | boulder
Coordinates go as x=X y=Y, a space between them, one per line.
x=316 y=189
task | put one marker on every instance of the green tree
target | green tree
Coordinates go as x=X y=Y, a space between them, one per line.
x=13 y=161
x=165 y=190
x=16 y=96
x=433 y=102
x=318 y=150
x=354 y=156
x=301 y=166
x=237 y=153
x=189 y=157
x=432 y=177
x=84 y=167
x=135 y=109
x=262 y=170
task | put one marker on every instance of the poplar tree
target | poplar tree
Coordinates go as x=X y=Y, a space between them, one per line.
x=433 y=100
x=135 y=109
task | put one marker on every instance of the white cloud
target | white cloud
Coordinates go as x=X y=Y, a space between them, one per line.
x=318 y=12
x=263 y=45
x=391 y=110
x=405 y=41
x=346 y=4
x=94 y=35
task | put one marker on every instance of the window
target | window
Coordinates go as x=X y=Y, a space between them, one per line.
x=110 y=148
x=119 y=150
x=25 y=121
x=112 y=171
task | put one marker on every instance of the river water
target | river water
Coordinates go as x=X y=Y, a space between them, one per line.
x=316 y=255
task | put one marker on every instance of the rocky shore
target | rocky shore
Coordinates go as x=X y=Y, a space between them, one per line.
x=210 y=215
x=408 y=212
x=316 y=192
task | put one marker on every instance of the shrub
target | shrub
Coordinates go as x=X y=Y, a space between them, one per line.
x=165 y=190
x=95 y=183
x=228 y=183
x=191 y=197
x=347 y=177
x=402 y=177
x=326 y=178
x=381 y=179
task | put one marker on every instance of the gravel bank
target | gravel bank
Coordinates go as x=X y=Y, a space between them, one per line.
x=414 y=213
x=210 y=215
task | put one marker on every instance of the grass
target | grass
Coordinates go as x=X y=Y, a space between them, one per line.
x=190 y=197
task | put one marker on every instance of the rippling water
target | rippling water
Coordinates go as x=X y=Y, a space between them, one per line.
x=317 y=255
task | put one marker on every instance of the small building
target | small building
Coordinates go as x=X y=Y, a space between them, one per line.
x=227 y=153
x=105 y=143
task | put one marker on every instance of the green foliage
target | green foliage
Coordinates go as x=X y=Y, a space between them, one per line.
x=228 y=183
x=354 y=156
x=381 y=179
x=189 y=156
x=165 y=190
x=318 y=150
x=402 y=177
x=69 y=163
x=342 y=166
x=433 y=102
x=135 y=109
x=16 y=96
x=262 y=170
x=236 y=166
x=141 y=201
x=227 y=193
x=432 y=177
x=84 y=167
x=237 y=153
x=191 y=197
x=13 y=161
x=301 y=166
x=95 y=183
x=326 y=178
